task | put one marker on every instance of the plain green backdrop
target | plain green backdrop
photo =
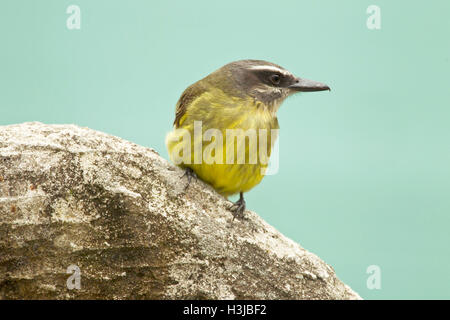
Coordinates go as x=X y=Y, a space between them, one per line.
x=364 y=173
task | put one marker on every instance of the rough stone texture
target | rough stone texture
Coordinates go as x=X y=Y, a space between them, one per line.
x=118 y=211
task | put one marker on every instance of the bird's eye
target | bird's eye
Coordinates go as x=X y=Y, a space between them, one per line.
x=275 y=78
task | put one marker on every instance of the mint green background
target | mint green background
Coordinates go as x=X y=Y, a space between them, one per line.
x=364 y=176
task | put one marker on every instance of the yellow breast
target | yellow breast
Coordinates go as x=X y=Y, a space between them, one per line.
x=234 y=162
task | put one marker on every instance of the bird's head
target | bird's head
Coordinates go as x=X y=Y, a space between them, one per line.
x=261 y=80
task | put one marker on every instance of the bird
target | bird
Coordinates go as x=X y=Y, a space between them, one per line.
x=240 y=97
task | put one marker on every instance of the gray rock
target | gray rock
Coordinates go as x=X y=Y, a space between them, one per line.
x=119 y=212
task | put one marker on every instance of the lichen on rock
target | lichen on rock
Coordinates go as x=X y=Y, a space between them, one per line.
x=120 y=213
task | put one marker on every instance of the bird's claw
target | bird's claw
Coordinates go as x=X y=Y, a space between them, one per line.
x=190 y=174
x=238 y=208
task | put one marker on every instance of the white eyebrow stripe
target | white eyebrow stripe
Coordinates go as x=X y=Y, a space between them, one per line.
x=269 y=68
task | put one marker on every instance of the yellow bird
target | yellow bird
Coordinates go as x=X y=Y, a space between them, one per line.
x=226 y=124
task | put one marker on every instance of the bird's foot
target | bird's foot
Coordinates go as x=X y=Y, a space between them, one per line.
x=238 y=208
x=190 y=174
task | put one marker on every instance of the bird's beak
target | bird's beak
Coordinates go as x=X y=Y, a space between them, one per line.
x=305 y=85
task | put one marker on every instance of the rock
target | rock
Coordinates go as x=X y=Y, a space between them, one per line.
x=73 y=197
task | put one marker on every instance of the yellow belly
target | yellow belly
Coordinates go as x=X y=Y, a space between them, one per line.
x=227 y=178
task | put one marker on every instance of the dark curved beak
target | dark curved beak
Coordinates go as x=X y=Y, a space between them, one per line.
x=305 y=85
